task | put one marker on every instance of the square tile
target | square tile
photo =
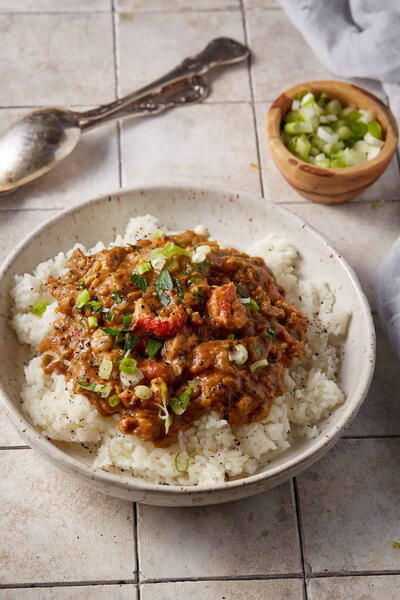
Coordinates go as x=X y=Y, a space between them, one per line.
x=256 y=536
x=280 y=589
x=210 y=144
x=53 y=529
x=387 y=187
x=33 y=6
x=350 y=507
x=171 y=40
x=277 y=48
x=86 y=592
x=90 y=170
x=380 y=412
x=382 y=587
x=170 y=5
x=56 y=59
x=354 y=229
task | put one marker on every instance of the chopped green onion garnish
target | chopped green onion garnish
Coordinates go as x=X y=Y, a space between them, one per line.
x=258 y=365
x=116 y=296
x=240 y=290
x=179 y=404
x=181 y=468
x=139 y=281
x=271 y=333
x=105 y=368
x=168 y=422
x=81 y=299
x=126 y=320
x=103 y=390
x=143 y=392
x=153 y=345
x=39 y=308
x=128 y=365
x=239 y=355
x=258 y=350
x=143 y=267
x=169 y=250
x=157 y=233
x=253 y=305
x=110 y=315
x=82 y=284
x=94 y=305
x=113 y=400
x=92 y=322
x=375 y=129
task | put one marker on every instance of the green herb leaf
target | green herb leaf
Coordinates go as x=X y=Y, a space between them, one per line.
x=110 y=316
x=240 y=290
x=111 y=331
x=81 y=299
x=130 y=341
x=162 y=283
x=181 y=468
x=180 y=403
x=271 y=333
x=153 y=345
x=126 y=320
x=179 y=289
x=135 y=247
x=82 y=284
x=116 y=296
x=186 y=271
x=139 y=281
x=128 y=365
x=39 y=308
x=201 y=267
x=113 y=400
x=258 y=350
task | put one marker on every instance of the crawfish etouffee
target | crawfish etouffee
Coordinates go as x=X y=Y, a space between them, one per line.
x=164 y=331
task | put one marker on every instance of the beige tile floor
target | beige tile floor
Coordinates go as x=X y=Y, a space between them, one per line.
x=326 y=535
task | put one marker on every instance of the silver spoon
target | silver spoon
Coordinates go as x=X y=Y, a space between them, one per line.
x=43 y=138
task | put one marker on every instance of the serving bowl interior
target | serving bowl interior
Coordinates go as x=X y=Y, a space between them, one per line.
x=336 y=185
x=238 y=219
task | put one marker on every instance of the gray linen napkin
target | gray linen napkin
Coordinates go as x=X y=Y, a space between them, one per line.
x=361 y=38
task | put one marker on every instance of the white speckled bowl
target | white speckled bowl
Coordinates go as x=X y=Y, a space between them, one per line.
x=233 y=217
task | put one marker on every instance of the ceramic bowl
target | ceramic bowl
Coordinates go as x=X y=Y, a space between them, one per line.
x=330 y=186
x=237 y=219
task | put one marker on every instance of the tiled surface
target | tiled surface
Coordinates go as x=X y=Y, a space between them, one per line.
x=190 y=136
x=348 y=504
x=263 y=527
x=354 y=588
x=285 y=589
x=350 y=508
x=59 y=514
x=56 y=59
x=139 y=64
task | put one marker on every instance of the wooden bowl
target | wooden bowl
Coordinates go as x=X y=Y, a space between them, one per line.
x=330 y=186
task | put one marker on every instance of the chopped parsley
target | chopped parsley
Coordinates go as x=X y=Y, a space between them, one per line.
x=111 y=331
x=116 y=296
x=201 y=267
x=162 y=284
x=130 y=342
x=179 y=289
x=153 y=345
x=258 y=350
x=271 y=333
x=126 y=320
x=139 y=281
x=240 y=290
x=186 y=271
x=110 y=315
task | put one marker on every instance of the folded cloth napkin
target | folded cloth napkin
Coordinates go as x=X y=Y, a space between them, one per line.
x=361 y=38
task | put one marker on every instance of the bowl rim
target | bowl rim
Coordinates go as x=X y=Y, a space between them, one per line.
x=45 y=447
x=275 y=115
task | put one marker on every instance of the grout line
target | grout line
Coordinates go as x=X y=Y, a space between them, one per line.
x=52 y=584
x=354 y=574
x=15 y=448
x=260 y=177
x=53 y=12
x=224 y=578
x=136 y=538
x=116 y=87
x=300 y=534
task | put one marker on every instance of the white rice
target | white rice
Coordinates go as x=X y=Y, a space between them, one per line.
x=215 y=451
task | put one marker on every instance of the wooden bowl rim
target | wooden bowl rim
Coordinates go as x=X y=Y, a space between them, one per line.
x=275 y=116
